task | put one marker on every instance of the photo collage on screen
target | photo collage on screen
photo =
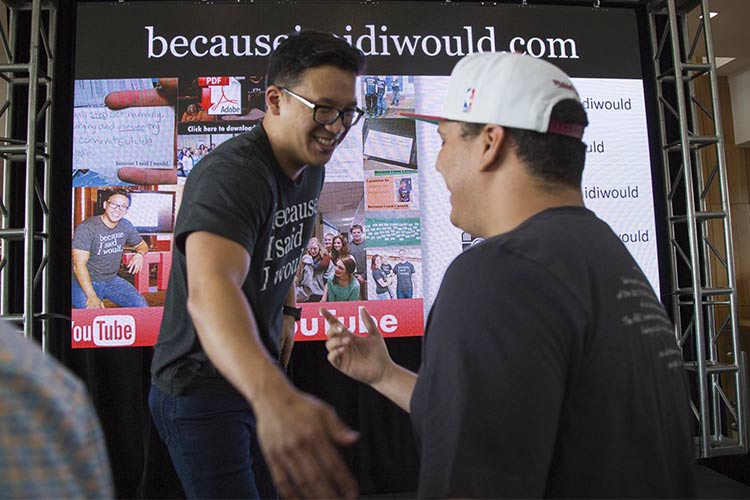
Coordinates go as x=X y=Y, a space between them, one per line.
x=135 y=141
x=371 y=198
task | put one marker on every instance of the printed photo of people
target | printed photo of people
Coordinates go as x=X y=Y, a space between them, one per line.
x=395 y=273
x=333 y=266
x=385 y=96
x=121 y=250
x=122 y=129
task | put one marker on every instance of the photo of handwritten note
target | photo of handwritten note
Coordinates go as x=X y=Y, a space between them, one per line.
x=105 y=140
x=388 y=146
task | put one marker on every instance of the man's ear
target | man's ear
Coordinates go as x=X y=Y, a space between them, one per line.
x=493 y=139
x=273 y=96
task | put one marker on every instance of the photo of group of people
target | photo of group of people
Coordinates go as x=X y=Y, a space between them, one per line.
x=387 y=95
x=367 y=245
x=340 y=269
x=333 y=271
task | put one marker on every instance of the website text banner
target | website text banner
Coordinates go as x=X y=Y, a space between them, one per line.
x=158 y=37
x=395 y=318
x=121 y=327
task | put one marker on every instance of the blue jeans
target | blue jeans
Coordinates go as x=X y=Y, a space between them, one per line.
x=211 y=439
x=383 y=296
x=118 y=290
x=404 y=294
x=381 y=105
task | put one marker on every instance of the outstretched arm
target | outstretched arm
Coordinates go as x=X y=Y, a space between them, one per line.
x=366 y=359
x=297 y=433
x=287 y=332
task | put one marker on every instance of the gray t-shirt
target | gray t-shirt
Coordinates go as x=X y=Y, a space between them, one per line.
x=358 y=252
x=403 y=271
x=240 y=193
x=105 y=245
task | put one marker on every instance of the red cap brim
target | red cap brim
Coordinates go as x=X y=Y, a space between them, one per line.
x=425 y=118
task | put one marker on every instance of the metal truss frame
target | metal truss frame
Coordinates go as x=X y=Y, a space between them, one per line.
x=27 y=47
x=704 y=297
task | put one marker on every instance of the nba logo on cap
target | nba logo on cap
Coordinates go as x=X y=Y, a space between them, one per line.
x=469 y=99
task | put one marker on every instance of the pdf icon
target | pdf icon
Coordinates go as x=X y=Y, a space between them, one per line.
x=221 y=95
x=113 y=331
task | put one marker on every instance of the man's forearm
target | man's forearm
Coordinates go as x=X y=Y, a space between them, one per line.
x=84 y=280
x=397 y=385
x=229 y=335
x=141 y=248
x=291 y=296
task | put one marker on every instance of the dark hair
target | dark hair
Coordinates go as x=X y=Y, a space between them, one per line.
x=357 y=226
x=344 y=252
x=553 y=159
x=374 y=266
x=121 y=192
x=349 y=263
x=307 y=49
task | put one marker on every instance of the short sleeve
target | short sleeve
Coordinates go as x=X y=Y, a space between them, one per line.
x=227 y=201
x=133 y=236
x=82 y=237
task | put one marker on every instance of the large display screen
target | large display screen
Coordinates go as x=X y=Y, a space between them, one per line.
x=158 y=85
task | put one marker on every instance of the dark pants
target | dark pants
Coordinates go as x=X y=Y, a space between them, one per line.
x=404 y=294
x=211 y=439
x=370 y=103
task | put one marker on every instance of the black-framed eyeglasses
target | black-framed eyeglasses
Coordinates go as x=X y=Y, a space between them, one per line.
x=325 y=115
x=117 y=206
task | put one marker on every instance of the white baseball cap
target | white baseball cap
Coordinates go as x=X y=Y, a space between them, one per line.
x=511 y=90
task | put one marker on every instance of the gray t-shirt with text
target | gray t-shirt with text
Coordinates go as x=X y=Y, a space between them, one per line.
x=105 y=245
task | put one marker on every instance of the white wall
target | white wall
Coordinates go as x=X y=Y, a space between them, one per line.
x=739 y=90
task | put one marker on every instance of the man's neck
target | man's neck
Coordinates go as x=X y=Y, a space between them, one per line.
x=110 y=224
x=288 y=164
x=516 y=200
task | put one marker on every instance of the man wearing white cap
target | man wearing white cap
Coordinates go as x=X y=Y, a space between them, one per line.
x=549 y=366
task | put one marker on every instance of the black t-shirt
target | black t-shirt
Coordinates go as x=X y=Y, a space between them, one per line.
x=378 y=274
x=238 y=192
x=551 y=370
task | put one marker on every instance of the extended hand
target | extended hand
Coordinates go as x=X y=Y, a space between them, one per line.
x=136 y=263
x=299 y=438
x=95 y=303
x=365 y=359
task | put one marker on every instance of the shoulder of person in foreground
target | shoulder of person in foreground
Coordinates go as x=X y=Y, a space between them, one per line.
x=53 y=445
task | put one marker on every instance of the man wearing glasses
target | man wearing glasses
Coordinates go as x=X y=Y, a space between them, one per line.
x=233 y=423
x=98 y=245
